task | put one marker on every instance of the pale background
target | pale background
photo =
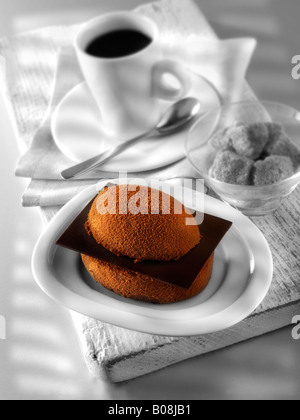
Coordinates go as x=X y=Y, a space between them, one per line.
x=41 y=358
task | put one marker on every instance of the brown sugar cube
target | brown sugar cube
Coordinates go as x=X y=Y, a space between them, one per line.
x=284 y=146
x=272 y=169
x=221 y=140
x=250 y=140
x=275 y=131
x=232 y=168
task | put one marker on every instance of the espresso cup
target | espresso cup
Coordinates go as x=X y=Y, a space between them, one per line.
x=121 y=58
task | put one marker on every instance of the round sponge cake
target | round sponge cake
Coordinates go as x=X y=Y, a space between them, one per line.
x=143 y=224
x=144 y=288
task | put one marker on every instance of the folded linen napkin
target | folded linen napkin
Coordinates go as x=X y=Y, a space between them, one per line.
x=41 y=68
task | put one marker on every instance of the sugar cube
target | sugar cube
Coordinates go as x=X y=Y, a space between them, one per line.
x=250 y=140
x=284 y=146
x=231 y=168
x=272 y=169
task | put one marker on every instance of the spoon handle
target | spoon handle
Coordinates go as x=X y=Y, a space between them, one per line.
x=90 y=164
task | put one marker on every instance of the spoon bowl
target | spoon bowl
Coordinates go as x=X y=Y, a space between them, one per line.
x=178 y=115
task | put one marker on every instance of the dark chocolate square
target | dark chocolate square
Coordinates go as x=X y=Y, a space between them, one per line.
x=181 y=273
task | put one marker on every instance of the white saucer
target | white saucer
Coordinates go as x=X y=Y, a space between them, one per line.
x=76 y=127
x=241 y=278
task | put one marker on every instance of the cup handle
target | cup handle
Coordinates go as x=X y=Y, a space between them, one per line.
x=161 y=89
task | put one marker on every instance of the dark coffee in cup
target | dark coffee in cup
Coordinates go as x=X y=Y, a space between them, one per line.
x=122 y=60
x=120 y=43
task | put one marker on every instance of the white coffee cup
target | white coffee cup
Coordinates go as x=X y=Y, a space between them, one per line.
x=129 y=90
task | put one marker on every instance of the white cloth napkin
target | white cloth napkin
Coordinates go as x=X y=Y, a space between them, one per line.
x=41 y=68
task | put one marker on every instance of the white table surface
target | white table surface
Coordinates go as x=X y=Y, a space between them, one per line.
x=41 y=358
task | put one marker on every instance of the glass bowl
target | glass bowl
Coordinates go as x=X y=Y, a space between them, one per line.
x=250 y=200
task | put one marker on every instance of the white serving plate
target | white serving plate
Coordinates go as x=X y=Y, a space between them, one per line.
x=241 y=278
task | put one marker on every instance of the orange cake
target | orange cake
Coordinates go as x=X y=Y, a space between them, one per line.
x=141 y=287
x=123 y=222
